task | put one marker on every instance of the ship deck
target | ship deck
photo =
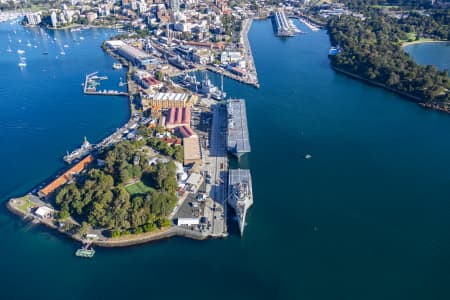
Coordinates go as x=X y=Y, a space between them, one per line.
x=237 y=135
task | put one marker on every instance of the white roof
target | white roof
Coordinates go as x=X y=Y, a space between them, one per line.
x=115 y=43
x=194 y=179
x=42 y=211
x=188 y=221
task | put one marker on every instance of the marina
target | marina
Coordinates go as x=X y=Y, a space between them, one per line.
x=92 y=81
x=308 y=24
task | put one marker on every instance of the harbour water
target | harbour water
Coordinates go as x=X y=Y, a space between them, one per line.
x=367 y=217
x=437 y=54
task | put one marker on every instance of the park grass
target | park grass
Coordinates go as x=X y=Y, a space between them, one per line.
x=138 y=188
x=26 y=204
x=386 y=6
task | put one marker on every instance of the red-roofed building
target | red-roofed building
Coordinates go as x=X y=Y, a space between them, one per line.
x=68 y=175
x=186 y=131
x=150 y=82
x=171 y=141
x=178 y=116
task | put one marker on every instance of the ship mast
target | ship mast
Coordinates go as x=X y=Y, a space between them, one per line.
x=221 y=84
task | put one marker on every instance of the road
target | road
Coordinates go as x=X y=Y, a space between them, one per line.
x=216 y=165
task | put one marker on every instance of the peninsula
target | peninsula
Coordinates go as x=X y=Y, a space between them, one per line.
x=166 y=171
x=377 y=56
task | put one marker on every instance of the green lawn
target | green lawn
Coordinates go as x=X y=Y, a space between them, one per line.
x=138 y=188
x=26 y=204
x=386 y=6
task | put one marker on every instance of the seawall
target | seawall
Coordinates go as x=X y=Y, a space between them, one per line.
x=411 y=97
x=125 y=241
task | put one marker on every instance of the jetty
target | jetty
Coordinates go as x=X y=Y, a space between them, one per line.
x=308 y=24
x=85 y=251
x=252 y=76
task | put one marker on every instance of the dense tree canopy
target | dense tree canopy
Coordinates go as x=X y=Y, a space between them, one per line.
x=371 y=48
x=100 y=199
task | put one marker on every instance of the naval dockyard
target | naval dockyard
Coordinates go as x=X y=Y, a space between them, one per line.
x=194 y=113
x=178 y=116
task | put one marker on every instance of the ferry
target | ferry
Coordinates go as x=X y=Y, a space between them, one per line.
x=240 y=194
x=85 y=148
x=117 y=66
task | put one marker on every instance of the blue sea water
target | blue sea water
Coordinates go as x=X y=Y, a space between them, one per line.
x=368 y=217
x=437 y=54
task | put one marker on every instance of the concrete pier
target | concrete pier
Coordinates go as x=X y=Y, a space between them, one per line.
x=284 y=26
x=252 y=75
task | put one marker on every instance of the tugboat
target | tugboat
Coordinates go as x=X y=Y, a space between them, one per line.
x=78 y=153
x=86 y=251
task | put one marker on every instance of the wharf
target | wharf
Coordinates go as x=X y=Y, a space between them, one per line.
x=232 y=76
x=220 y=71
x=252 y=74
x=283 y=25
